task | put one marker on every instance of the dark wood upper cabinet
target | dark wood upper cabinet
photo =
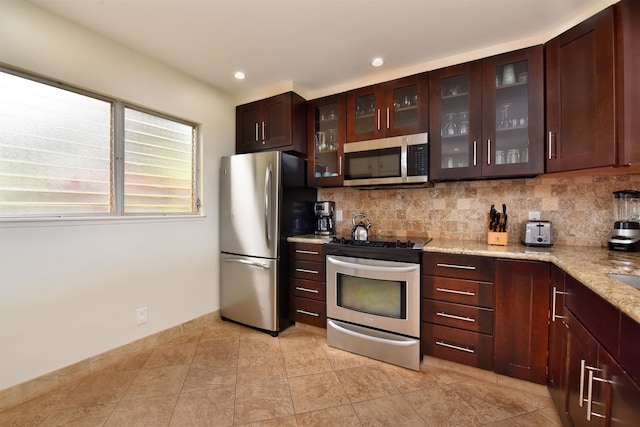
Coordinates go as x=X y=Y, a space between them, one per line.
x=397 y=107
x=521 y=312
x=487 y=117
x=326 y=134
x=278 y=122
x=592 y=91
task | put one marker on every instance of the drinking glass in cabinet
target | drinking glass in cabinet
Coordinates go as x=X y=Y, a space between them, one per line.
x=505 y=122
x=463 y=127
x=450 y=127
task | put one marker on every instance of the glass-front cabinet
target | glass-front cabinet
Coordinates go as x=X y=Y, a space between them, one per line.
x=394 y=108
x=326 y=135
x=487 y=117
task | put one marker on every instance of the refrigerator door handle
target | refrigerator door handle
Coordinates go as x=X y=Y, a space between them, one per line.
x=267 y=203
x=244 y=261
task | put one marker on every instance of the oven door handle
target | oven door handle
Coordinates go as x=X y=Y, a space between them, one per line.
x=369 y=267
x=407 y=343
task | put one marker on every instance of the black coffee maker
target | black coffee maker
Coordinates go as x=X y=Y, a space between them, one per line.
x=325 y=224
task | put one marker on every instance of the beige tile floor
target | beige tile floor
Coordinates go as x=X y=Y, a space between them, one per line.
x=226 y=374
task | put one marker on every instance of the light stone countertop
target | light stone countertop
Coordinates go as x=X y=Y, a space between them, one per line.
x=588 y=265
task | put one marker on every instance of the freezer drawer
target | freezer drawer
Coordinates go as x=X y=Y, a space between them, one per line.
x=249 y=291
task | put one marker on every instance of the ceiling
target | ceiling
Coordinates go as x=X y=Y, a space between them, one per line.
x=319 y=46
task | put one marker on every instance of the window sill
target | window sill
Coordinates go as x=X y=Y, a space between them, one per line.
x=55 y=221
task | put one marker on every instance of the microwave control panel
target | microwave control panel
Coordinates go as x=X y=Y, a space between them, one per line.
x=417 y=159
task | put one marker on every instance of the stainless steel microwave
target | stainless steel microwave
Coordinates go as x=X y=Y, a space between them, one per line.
x=387 y=161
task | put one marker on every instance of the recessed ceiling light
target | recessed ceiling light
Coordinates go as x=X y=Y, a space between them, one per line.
x=377 y=62
x=239 y=75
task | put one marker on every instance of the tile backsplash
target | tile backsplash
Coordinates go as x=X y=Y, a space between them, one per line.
x=579 y=208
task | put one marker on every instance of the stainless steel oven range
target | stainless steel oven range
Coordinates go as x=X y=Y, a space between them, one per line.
x=373 y=299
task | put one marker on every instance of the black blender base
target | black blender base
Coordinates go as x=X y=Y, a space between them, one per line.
x=627 y=247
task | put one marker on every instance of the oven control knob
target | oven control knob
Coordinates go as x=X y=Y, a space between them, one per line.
x=343 y=240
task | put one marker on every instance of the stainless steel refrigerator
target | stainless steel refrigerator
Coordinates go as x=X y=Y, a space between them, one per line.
x=263 y=200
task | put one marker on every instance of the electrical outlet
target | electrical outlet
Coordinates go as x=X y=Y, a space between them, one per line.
x=338 y=215
x=534 y=216
x=141 y=315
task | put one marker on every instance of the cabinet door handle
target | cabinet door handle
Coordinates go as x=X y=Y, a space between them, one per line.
x=583 y=368
x=455 y=347
x=475 y=153
x=460 y=267
x=304 y=270
x=339 y=165
x=257 y=132
x=300 y=288
x=308 y=313
x=263 y=134
x=555 y=316
x=488 y=151
x=302 y=251
x=378 y=119
x=453 y=291
x=453 y=316
x=551 y=154
x=590 y=412
x=387 y=117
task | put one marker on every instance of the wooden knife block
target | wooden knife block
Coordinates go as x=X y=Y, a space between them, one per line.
x=499 y=238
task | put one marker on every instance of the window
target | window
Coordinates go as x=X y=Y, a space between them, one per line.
x=64 y=153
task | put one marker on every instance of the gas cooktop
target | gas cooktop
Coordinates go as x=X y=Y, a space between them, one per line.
x=391 y=250
x=399 y=244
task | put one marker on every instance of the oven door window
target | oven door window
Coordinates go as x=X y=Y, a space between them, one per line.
x=387 y=298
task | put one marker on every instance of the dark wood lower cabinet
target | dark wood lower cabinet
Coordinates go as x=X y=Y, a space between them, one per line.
x=521 y=311
x=458 y=345
x=600 y=392
x=558 y=337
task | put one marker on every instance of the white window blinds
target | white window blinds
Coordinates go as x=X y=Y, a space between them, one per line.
x=55 y=150
x=158 y=164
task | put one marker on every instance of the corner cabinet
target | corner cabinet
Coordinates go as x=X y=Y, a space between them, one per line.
x=275 y=123
x=326 y=124
x=394 y=108
x=592 y=89
x=307 y=290
x=558 y=338
x=521 y=331
x=487 y=117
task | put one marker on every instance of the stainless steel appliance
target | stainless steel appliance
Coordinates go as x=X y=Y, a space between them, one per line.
x=537 y=233
x=626 y=214
x=373 y=299
x=325 y=224
x=360 y=230
x=263 y=200
x=387 y=161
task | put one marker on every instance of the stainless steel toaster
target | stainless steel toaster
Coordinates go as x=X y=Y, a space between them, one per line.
x=537 y=233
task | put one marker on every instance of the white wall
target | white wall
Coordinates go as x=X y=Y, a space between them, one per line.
x=69 y=289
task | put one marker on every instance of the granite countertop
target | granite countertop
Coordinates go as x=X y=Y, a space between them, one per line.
x=588 y=265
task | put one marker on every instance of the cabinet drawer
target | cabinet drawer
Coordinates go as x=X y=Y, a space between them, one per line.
x=309 y=311
x=306 y=252
x=308 y=289
x=469 y=348
x=458 y=266
x=461 y=291
x=307 y=270
x=458 y=316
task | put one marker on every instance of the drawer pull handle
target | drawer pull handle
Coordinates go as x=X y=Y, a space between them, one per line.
x=299 y=288
x=453 y=291
x=304 y=270
x=459 y=267
x=453 y=316
x=300 y=251
x=308 y=313
x=455 y=347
